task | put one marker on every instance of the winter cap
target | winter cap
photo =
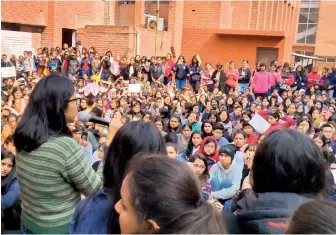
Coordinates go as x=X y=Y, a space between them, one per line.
x=228 y=149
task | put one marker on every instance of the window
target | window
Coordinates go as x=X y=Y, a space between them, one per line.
x=308 y=18
x=126 y=2
x=331 y=59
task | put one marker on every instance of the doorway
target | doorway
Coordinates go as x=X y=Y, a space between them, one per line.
x=69 y=37
x=267 y=54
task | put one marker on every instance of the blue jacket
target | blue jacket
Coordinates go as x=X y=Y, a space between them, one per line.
x=91 y=215
x=333 y=82
x=10 y=194
x=263 y=213
x=233 y=174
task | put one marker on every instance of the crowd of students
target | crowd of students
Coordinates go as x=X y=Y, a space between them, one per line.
x=197 y=116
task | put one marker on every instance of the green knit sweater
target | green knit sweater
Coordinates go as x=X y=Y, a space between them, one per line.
x=52 y=178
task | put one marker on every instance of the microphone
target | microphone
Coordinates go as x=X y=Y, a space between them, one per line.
x=86 y=117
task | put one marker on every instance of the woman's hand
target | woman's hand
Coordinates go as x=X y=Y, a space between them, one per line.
x=114 y=126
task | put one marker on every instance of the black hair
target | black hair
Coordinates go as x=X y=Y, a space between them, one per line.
x=215 y=114
x=174 y=145
x=15 y=89
x=171 y=138
x=227 y=113
x=131 y=138
x=172 y=200
x=218 y=126
x=298 y=168
x=6 y=154
x=326 y=125
x=262 y=64
x=44 y=115
x=205 y=176
x=190 y=145
x=176 y=117
x=239 y=132
x=202 y=128
x=315 y=217
x=189 y=125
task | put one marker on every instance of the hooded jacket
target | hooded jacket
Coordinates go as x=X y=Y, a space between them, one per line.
x=265 y=212
x=261 y=82
x=233 y=174
x=313 y=78
x=212 y=159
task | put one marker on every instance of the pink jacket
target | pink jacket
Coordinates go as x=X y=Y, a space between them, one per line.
x=232 y=79
x=169 y=65
x=275 y=78
x=261 y=82
x=206 y=77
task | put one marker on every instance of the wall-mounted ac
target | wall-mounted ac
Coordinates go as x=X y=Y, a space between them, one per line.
x=152 y=23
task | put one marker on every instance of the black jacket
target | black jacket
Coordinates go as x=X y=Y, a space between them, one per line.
x=247 y=75
x=264 y=212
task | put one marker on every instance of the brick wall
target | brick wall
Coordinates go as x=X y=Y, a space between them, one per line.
x=121 y=40
x=326 y=33
x=125 y=14
x=223 y=48
x=25 y=12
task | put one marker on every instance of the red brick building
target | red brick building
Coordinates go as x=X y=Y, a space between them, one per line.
x=219 y=31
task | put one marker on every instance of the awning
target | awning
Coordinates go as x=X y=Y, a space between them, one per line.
x=308 y=57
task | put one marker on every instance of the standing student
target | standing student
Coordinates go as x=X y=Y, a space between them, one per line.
x=181 y=72
x=195 y=71
x=206 y=77
x=313 y=78
x=261 y=82
x=43 y=141
x=232 y=75
x=244 y=76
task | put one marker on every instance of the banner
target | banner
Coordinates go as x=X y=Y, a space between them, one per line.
x=8 y=72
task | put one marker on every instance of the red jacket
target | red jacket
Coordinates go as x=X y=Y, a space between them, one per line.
x=169 y=65
x=215 y=155
x=288 y=122
x=253 y=139
x=232 y=79
x=312 y=78
x=289 y=81
x=274 y=79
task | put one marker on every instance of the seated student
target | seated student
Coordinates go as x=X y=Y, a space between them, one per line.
x=193 y=120
x=193 y=146
x=10 y=192
x=248 y=159
x=316 y=217
x=287 y=171
x=273 y=117
x=225 y=175
x=327 y=130
x=161 y=195
x=209 y=150
x=172 y=150
x=200 y=166
x=217 y=132
x=252 y=137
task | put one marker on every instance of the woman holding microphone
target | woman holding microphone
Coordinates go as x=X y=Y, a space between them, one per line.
x=51 y=167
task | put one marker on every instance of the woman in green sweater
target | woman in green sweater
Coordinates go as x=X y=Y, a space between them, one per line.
x=51 y=167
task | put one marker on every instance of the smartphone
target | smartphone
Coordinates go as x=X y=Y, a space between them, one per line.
x=84 y=136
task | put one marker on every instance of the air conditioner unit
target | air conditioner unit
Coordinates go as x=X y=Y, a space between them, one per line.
x=152 y=23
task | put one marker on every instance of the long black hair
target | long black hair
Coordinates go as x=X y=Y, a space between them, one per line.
x=132 y=138
x=5 y=180
x=172 y=200
x=44 y=115
x=190 y=143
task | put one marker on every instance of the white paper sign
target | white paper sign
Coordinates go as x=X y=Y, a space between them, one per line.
x=8 y=72
x=259 y=123
x=134 y=88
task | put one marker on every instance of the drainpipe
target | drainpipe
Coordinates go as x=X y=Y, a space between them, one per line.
x=137 y=35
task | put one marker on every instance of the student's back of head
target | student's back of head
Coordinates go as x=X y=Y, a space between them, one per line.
x=316 y=217
x=164 y=196
x=288 y=161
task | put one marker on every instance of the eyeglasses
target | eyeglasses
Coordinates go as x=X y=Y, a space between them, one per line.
x=199 y=166
x=74 y=99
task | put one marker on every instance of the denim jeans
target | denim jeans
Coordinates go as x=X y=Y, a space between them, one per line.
x=216 y=185
x=242 y=87
x=180 y=83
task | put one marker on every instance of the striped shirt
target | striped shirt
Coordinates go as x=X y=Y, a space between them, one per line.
x=52 y=178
